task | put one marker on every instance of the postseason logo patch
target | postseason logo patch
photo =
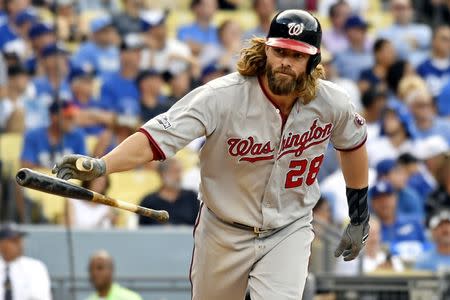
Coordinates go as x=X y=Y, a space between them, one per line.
x=164 y=121
x=360 y=121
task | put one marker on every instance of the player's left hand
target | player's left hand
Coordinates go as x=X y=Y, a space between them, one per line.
x=352 y=241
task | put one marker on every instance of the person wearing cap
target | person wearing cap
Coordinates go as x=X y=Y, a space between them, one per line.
x=100 y=52
x=153 y=102
x=40 y=36
x=21 y=277
x=43 y=147
x=13 y=108
x=8 y=31
x=92 y=117
x=201 y=32
x=267 y=127
x=357 y=56
x=438 y=258
x=162 y=53
x=385 y=56
x=119 y=92
x=404 y=236
x=409 y=202
x=411 y=39
x=397 y=134
x=428 y=123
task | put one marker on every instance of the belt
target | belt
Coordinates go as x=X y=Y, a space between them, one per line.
x=254 y=229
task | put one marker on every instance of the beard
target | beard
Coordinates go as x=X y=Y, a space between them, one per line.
x=285 y=84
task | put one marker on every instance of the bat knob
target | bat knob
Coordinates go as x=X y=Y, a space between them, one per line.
x=79 y=164
x=163 y=216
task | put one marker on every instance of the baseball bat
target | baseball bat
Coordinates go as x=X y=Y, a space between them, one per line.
x=52 y=185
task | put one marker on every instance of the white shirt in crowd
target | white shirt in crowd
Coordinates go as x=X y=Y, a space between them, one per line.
x=173 y=57
x=388 y=150
x=85 y=215
x=29 y=279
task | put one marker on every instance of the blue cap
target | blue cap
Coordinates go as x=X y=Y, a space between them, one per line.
x=385 y=166
x=151 y=19
x=355 y=21
x=100 y=23
x=10 y=230
x=26 y=15
x=80 y=71
x=53 y=49
x=404 y=115
x=382 y=187
x=212 y=68
x=39 y=29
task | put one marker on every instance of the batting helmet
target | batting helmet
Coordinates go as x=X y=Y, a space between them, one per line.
x=297 y=30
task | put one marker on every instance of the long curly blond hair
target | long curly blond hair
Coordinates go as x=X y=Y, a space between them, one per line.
x=252 y=62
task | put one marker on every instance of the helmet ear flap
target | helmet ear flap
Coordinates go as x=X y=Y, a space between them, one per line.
x=313 y=62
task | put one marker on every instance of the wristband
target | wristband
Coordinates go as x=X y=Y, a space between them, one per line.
x=357 y=205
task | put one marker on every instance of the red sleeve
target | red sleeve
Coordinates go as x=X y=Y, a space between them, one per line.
x=158 y=154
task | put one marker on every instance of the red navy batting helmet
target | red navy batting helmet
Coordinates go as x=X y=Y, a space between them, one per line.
x=297 y=30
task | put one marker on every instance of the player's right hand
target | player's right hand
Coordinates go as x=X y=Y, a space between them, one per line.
x=79 y=167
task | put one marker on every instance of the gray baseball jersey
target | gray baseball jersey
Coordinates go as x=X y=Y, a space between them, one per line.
x=257 y=167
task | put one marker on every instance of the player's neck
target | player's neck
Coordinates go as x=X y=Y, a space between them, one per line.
x=284 y=103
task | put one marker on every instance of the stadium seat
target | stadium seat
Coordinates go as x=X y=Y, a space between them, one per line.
x=91 y=142
x=10 y=149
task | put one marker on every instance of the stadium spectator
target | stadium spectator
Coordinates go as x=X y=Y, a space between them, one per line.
x=416 y=178
x=356 y=6
x=43 y=147
x=440 y=198
x=410 y=39
x=226 y=53
x=40 y=35
x=384 y=54
x=100 y=52
x=403 y=236
x=264 y=10
x=8 y=30
x=202 y=31
x=409 y=202
x=12 y=113
x=91 y=117
x=374 y=101
x=21 y=277
x=397 y=134
x=91 y=215
x=434 y=12
x=163 y=53
x=67 y=20
x=427 y=123
x=435 y=70
x=442 y=101
x=182 y=205
x=119 y=92
x=407 y=84
x=334 y=38
x=375 y=257
x=213 y=71
x=396 y=72
x=179 y=84
x=438 y=258
x=101 y=274
x=357 y=56
x=23 y=22
x=53 y=83
x=153 y=103
x=128 y=21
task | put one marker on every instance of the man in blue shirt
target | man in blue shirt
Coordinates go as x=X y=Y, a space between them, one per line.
x=43 y=147
x=404 y=236
x=201 y=32
x=119 y=92
x=358 y=55
x=435 y=70
x=410 y=39
x=100 y=52
x=55 y=66
x=40 y=36
x=438 y=258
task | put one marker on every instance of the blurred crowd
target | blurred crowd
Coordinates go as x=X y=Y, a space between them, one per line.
x=68 y=74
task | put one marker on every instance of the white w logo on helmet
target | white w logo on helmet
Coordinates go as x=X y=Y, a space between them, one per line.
x=295 y=29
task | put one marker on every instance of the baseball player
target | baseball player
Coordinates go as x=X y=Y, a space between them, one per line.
x=267 y=127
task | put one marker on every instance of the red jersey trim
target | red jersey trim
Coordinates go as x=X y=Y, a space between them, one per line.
x=266 y=93
x=354 y=148
x=158 y=154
